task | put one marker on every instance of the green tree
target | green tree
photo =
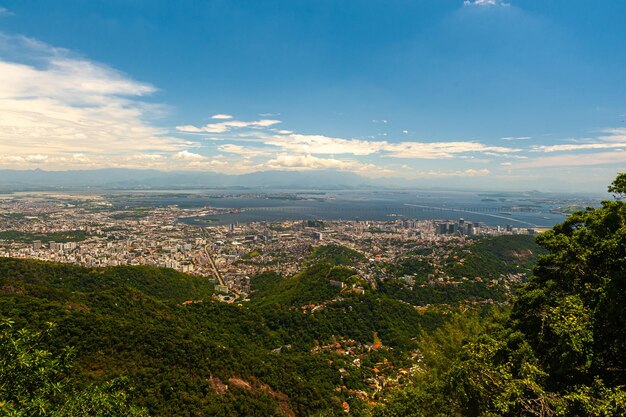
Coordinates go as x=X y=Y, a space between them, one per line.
x=36 y=382
x=574 y=309
x=562 y=352
x=618 y=187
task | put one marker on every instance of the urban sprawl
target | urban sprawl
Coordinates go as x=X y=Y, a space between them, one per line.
x=90 y=231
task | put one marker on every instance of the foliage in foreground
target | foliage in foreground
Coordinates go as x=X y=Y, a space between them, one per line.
x=36 y=382
x=179 y=357
x=559 y=350
x=562 y=350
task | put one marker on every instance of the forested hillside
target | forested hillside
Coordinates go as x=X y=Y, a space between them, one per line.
x=205 y=357
x=561 y=350
x=326 y=341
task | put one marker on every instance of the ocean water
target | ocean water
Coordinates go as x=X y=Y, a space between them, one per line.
x=492 y=209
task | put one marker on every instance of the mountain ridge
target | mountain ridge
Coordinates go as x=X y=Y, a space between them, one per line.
x=129 y=178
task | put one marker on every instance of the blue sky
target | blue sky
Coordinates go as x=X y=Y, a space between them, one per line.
x=483 y=93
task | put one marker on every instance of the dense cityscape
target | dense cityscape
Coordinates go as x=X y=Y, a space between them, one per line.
x=362 y=208
x=87 y=231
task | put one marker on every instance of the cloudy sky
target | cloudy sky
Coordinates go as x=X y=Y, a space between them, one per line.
x=520 y=93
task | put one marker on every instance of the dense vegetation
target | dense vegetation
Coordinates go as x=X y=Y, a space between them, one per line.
x=68 y=282
x=496 y=256
x=147 y=340
x=439 y=293
x=485 y=257
x=60 y=237
x=335 y=254
x=562 y=349
x=205 y=358
x=37 y=382
x=488 y=270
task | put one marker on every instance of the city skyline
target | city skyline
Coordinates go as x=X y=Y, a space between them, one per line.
x=486 y=92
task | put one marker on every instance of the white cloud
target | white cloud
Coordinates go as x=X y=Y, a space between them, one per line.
x=513 y=138
x=319 y=144
x=606 y=149
x=150 y=157
x=5 y=12
x=269 y=141
x=290 y=162
x=613 y=135
x=243 y=150
x=609 y=139
x=226 y=126
x=476 y=172
x=59 y=111
x=578 y=147
x=79 y=157
x=187 y=156
x=36 y=158
x=325 y=145
x=59 y=105
x=21 y=159
x=441 y=150
x=459 y=173
x=576 y=160
x=485 y=3
x=505 y=155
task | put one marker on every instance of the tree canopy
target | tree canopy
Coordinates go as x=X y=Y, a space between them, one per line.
x=557 y=349
x=37 y=382
x=562 y=349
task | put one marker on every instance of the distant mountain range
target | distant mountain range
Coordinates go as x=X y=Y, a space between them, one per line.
x=131 y=178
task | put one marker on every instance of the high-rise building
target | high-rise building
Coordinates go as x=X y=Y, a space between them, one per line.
x=55 y=246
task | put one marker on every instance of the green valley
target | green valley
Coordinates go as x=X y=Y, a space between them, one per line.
x=502 y=326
